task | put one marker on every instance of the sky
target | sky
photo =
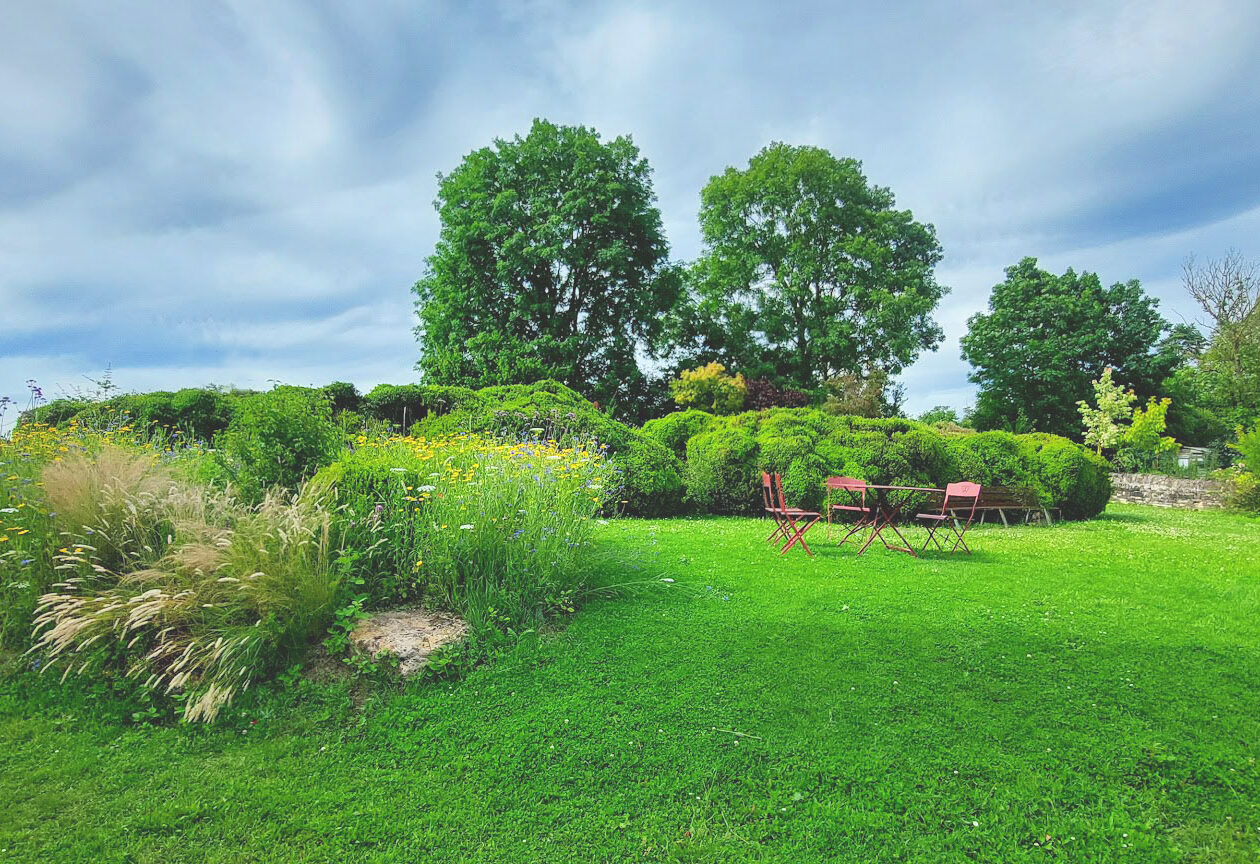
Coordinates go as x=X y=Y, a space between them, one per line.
x=241 y=193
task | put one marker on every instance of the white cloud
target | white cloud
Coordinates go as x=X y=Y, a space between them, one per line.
x=243 y=192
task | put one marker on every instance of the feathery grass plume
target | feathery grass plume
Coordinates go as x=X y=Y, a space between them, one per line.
x=231 y=588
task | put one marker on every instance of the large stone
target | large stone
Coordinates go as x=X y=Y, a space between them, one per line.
x=411 y=635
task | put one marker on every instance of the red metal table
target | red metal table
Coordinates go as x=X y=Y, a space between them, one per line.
x=889 y=501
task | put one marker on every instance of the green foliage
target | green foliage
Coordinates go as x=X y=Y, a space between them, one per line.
x=342 y=396
x=202 y=412
x=808 y=271
x=401 y=405
x=1247 y=445
x=651 y=478
x=1144 y=441
x=1071 y=478
x=1196 y=417
x=493 y=530
x=725 y=455
x=551 y=263
x=709 y=388
x=862 y=396
x=1104 y=422
x=197 y=413
x=674 y=430
x=940 y=414
x=721 y=469
x=278 y=439
x=1046 y=337
x=1011 y=667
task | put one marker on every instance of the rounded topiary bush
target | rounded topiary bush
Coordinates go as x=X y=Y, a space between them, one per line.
x=651 y=477
x=676 y=429
x=1076 y=481
x=721 y=472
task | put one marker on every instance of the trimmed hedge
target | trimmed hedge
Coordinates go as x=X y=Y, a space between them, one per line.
x=725 y=456
x=198 y=412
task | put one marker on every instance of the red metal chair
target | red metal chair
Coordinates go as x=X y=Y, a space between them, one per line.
x=769 y=505
x=958 y=497
x=795 y=521
x=855 y=489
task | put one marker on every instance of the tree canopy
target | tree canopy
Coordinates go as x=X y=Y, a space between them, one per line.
x=1045 y=338
x=808 y=271
x=551 y=263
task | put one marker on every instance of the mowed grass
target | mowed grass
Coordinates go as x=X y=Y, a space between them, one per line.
x=1087 y=692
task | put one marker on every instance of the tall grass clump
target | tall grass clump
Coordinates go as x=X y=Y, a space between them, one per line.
x=186 y=591
x=489 y=528
x=30 y=523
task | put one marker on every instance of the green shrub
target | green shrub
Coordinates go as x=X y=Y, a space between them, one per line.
x=995 y=459
x=651 y=476
x=199 y=413
x=1076 y=480
x=342 y=396
x=721 y=470
x=725 y=456
x=491 y=529
x=202 y=413
x=405 y=404
x=279 y=438
x=674 y=430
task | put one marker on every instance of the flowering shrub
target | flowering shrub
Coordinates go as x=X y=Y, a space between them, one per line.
x=490 y=528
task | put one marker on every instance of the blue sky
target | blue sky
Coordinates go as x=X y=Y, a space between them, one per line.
x=242 y=192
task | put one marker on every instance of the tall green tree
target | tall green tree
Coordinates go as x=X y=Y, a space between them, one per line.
x=551 y=263
x=808 y=271
x=1044 y=338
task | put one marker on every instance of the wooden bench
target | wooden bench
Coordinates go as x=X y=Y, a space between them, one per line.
x=1020 y=499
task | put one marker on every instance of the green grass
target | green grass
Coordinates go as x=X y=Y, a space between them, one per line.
x=1092 y=688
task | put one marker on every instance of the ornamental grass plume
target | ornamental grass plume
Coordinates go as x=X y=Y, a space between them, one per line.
x=201 y=612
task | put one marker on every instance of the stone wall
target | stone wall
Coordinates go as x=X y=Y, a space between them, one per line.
x=1163 y=491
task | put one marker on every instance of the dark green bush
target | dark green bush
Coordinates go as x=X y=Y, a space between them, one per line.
x=279 y=438
x=197 y=412
x=405 y=404
x=342 y=396
x=202 y=412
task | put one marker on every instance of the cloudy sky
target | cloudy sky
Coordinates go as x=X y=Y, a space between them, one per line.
x=240 y=192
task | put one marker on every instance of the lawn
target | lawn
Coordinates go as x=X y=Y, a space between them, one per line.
x=1087 y=692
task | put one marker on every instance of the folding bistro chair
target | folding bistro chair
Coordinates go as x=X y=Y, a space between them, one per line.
x=958 y=497
x=795 y=521
x=856 y=491
x=772 y=508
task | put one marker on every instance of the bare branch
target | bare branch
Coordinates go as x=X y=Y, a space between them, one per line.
x=1226 y=288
